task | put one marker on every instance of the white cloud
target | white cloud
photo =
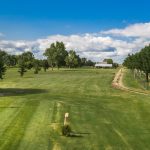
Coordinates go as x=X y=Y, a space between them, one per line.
x=93 y=46
x=135 y=30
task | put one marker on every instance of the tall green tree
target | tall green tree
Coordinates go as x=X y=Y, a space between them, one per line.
x=22 y=66
x=79 y=61
x=56 y=54
x=83 y=61
x=109 y=61
x=45 y=64
x=36 y=66
x=71 y=60
x=139 y=61
x=51 y=54
x=145 y=61
x=28 y=59
x=11 y=60
x=61 y=54
x=90 y=63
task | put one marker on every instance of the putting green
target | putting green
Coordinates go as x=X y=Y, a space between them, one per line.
x=32 y=110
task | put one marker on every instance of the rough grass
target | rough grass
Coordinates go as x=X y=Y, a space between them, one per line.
x=32 y=110
x=136 y=83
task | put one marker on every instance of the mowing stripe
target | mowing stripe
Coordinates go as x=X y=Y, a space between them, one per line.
x=15 y=131
x=123 y=138
x=37 y=132
x=8 y=116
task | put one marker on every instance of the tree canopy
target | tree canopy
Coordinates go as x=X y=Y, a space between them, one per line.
x=2 y=64
x=72 y=59
x=139 y=61
x=56 y=54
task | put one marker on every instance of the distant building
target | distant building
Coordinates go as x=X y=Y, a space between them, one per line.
x=99 y=65
x=103 y=64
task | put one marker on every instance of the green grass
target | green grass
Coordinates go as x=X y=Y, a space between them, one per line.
x=32 y=110
x=132 y=82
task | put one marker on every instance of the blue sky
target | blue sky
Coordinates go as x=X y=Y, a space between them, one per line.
x=30 y=21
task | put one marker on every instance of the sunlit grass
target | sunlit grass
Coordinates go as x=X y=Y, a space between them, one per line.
x=32 y=110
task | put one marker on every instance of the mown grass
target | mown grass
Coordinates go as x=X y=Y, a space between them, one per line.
x=32 y=110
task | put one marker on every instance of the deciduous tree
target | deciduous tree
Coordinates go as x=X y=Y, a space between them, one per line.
x=22 y=66
x=50 y=53
x=71 y=59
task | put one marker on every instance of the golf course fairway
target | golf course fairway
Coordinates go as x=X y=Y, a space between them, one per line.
x=32 y=111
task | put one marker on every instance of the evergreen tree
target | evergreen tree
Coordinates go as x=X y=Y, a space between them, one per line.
x=2 y=67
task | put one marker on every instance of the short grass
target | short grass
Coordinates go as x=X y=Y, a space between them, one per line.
x=32 y=110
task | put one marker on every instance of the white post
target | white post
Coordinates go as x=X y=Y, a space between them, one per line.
x=66 y=119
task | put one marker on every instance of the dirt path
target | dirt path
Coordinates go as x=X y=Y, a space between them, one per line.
x=118 y=83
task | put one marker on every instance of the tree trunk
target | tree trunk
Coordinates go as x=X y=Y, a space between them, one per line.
x=52 y=66
x=134 y=73
x=140 y=73
x=147 y=80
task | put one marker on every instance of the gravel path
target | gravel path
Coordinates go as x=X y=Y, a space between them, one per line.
x=118 y=83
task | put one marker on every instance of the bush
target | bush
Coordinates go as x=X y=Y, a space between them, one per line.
x=66 y=130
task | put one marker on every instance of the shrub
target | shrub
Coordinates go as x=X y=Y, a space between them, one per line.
x=66 y=130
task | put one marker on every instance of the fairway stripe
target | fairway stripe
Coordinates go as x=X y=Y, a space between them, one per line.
x=123 y=138
x=8 y=115
x=37 y=133
x=14 y=133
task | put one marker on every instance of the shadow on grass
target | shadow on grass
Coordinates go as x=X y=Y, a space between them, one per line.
x=72 y=70
x=20 y=91
x=78 y=134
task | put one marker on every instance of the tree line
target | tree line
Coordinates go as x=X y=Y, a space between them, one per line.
x=139 y=61
x=56 y=56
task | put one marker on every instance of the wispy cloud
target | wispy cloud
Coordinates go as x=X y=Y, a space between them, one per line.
x=115 y=43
